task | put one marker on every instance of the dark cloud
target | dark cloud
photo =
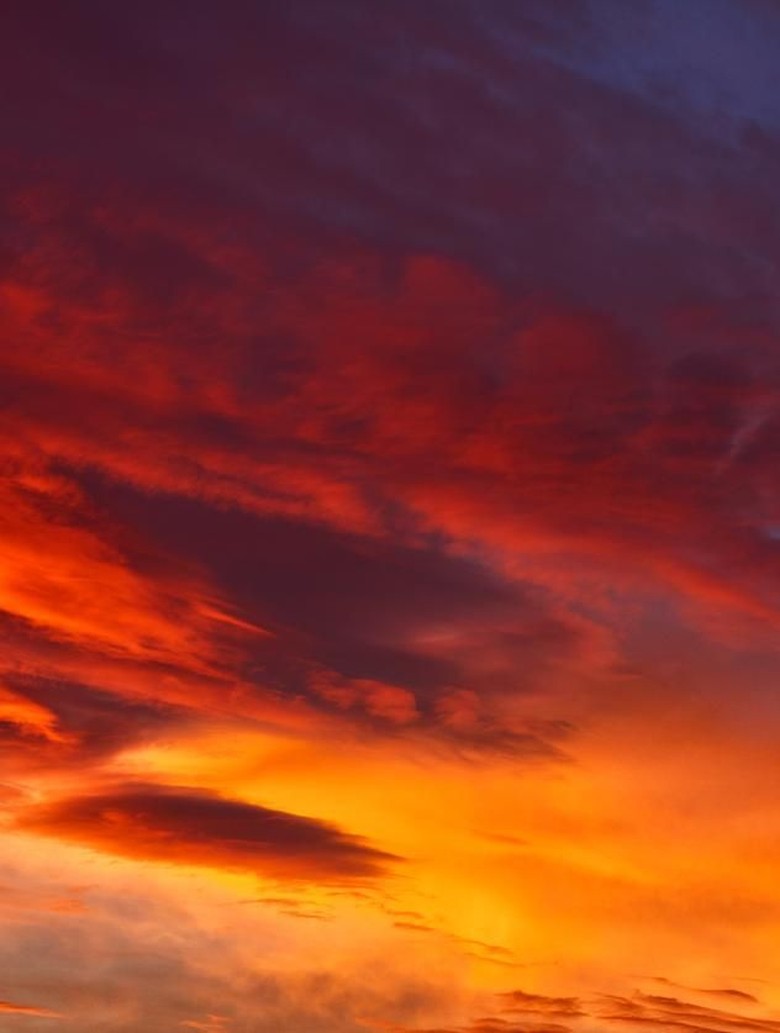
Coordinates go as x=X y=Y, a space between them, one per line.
x=677 y=1013
x=518 y=1000
x=71 y=724
x=513 y=138
x=189 y=826
x=518 y=1011
x=324 y=584
x=724 y=992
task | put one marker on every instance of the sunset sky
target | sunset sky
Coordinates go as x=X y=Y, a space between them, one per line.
x=390 y=516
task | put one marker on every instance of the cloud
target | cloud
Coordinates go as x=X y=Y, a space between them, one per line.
x=28 y=717
x=518 y=1000
x=518 y=1011
x=209 y=961
x=673 y=1012
x=194 y=827
x=11 y=1008
x=724 y=992
x=387 y=390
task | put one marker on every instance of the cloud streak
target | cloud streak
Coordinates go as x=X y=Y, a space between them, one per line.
x=188 y=826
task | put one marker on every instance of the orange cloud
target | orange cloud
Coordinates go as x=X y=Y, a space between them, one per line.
x=28 y=716
x=10 y=1008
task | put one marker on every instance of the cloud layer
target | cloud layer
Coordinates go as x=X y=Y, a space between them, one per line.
x=389 y=516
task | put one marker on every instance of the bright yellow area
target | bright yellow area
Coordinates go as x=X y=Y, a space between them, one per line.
x=619 y=862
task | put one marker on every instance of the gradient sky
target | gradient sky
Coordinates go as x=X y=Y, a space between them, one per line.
x=390 y=516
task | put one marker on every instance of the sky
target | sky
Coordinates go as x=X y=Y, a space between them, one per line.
x=390 y=516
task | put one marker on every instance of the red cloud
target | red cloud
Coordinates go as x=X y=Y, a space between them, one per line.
x=188 y=826
x=408 y=411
